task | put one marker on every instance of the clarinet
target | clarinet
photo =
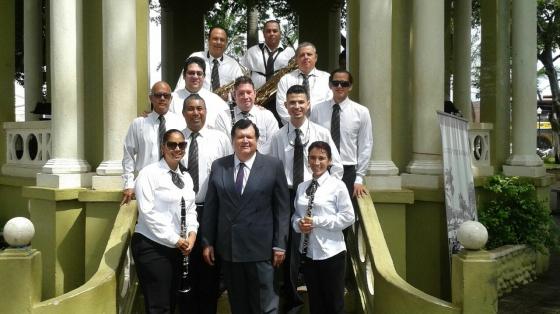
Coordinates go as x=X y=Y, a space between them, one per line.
x=308 y=214
x=184 y=284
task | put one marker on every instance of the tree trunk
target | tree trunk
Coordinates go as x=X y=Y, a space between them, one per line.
x=252 y=25
x=548 y=62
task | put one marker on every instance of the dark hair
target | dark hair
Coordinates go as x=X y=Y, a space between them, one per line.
x=196 y=60
x=193 y=97
x=297 y=89
x=242 y=125
x=350 y=79
x=277 y=22
x=243 y=80
x=165 y=138
x=217 y=27
x=322 y=146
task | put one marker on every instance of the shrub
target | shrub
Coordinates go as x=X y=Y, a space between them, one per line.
x=514 y=215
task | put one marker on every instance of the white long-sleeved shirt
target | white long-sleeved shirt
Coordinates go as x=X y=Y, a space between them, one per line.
x=141 y=143
x=282 y=143
x=159 y=204
x=332 y=212
x=212 y=144
x=214 y=104
x=319 y=89
x=228 y=69
x=356 y=139
x=256 y=57
x=261 y=117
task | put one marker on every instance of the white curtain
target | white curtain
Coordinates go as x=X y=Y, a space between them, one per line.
x=460 y=202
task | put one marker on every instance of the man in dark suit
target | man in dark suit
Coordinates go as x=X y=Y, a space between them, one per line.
x=246 y=220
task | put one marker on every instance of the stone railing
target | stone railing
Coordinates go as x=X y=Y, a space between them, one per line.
x=479 y=141
x=28 y=147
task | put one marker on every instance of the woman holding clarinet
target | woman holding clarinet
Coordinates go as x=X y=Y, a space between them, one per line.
x=167 y=226
x=322 y=210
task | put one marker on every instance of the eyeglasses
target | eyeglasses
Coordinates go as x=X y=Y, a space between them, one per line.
x=340 y=83
x=174 y=145
x=195 y=73
x=164 y=95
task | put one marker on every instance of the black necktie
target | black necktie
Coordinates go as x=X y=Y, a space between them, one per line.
x=215 y=78
x=310 y=191
x=245 y=114
x=193 y=161
x=239 y=179
x=335 y=126
x=298 y=161
x=161 y=131
x=305 y=82
x=269 y=68
x=177 y=179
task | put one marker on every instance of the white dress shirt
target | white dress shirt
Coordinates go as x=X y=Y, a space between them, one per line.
x=332 y=212
x=214 y=104
x=261 y=117
x=356 y=139
x=319 y=89
x=212 y=144
x=281 y=146
x=159 y=204
x=229 y=69
x=256 y=57
x=141 y=143
x=246 y=169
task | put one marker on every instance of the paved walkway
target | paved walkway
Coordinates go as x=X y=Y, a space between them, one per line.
x=539 y=297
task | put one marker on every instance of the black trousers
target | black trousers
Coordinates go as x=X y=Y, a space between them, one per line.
x=291 y=265
x=251 y=287
x=157 y=267
x=325 y=284
x=348 y=178
x=204 y=280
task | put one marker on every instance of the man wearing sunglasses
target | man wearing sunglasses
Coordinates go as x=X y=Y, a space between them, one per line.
x=143 y=139
x=204 y=146
x=193 y=74
x=350 y=127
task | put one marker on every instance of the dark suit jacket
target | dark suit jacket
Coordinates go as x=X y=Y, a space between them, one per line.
x=245 y=228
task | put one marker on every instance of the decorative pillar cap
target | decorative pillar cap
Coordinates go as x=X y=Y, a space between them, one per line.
x=472 y=235
x=18 y=232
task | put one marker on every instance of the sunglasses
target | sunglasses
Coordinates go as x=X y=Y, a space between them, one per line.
x=174 y=145
x=164 y=95
x=340 y=83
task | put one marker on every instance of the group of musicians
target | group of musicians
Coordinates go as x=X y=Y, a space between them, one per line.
x=226 y=196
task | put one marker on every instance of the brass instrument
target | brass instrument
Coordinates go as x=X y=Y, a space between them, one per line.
x=268 y=90
x=184 y=283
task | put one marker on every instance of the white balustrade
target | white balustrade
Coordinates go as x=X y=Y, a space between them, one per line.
x=479 y=140
x=28 y=147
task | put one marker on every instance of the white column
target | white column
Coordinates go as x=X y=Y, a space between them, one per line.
x=119 y=87
x=462 y=57
x=524 y=161
x=375 y=91
x=427 y=43
x=67 y=168
x=32 y=57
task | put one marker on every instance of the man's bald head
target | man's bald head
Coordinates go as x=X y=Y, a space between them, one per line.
x=160 y=97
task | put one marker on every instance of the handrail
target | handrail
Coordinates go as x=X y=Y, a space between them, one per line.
x=109 y=288
x=380 y=288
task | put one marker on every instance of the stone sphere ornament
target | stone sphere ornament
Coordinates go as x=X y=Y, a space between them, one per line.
x=472 y=235
x=18 y=232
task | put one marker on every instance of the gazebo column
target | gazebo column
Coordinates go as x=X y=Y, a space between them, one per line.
x=427 y=44
x=524 y=161
x=495 y=76
x=7 y=69
x=375 y=75
x=182 y=33
x=67 y=167
x=119 y=87
x=353 y=44
x=462 y=57
x=33 y=55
